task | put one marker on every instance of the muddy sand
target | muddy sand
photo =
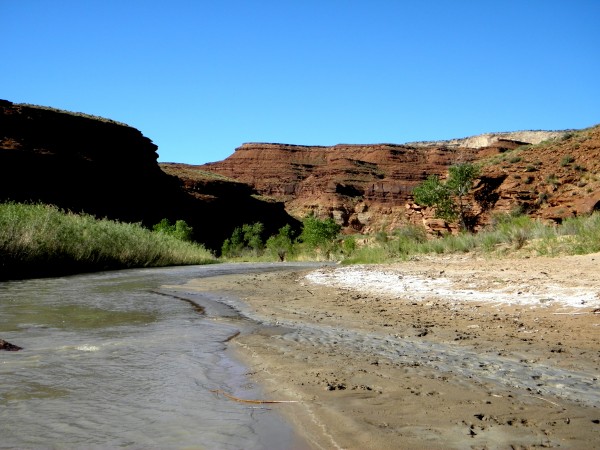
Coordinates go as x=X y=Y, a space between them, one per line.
x=437 y=353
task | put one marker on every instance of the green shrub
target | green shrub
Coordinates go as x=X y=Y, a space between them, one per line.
x=488 y=240
x=252 y=236
x=381 y=237
x=349 y=245
x=568 y=159
x=448 y=197
x=320 y=235
x=578 y=235
x=411 y=232
x=244 y=240
x=368 y=255
x=180 y=230
x=461 y=243
x=552 y=179
x=281 y=245
x=567 y=136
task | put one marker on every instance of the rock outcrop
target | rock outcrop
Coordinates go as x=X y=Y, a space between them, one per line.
x=7 y=346
x=553 y=180
x=361 y=186
x=87 y=164
x=368 y=188
x=494 y=139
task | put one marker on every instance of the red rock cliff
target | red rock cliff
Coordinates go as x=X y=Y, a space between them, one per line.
x=83 y=163
x=369 y=187
x=364 y=187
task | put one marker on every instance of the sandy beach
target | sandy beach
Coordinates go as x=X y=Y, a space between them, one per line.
x=441 y=352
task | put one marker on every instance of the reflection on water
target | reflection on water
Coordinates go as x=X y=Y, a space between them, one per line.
x=73 y=316
x=30 y=390
x=107 y=362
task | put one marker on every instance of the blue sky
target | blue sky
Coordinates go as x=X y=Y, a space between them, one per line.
x=200 y=78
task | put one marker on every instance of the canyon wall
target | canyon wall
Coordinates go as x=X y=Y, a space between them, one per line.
x=98 y=166
x=368 y=188
x=88 y=164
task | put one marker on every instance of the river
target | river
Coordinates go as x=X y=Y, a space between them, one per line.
x=109 y=361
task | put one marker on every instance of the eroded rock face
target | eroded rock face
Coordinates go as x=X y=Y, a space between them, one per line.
x=553 y=181
x=368 y=188
x=87 y=164
x=80 y=163
x=361 y=186
x=108 y=169
x=495 y=139
x=365 y=188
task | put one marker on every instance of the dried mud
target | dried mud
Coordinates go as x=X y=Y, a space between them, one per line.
x=479 y=354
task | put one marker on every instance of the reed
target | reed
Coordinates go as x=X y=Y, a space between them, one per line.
x=39 y=239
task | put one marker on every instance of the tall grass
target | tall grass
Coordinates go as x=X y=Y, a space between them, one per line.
x=574 y=237
x=39 y=240
x=506 y=235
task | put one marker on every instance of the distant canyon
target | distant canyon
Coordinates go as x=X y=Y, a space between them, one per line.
x=87 y=164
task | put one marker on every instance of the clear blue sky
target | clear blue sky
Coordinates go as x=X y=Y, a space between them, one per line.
x=199 y=78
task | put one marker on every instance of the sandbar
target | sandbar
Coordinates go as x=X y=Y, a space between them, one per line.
x=439 y=352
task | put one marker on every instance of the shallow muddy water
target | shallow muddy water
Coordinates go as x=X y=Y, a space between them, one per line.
x=109 y=361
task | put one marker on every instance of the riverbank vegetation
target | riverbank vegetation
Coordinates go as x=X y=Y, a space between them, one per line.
x=506 y=235
x=318 y=240
x=42 y=240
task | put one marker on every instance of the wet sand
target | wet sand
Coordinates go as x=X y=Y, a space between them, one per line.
x=442 y=352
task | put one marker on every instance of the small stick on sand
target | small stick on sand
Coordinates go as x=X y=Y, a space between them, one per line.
x=546 y=400
x=256 y=402
x=575 y=313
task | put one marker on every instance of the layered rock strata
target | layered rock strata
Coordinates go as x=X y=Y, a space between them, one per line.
x=365 y=188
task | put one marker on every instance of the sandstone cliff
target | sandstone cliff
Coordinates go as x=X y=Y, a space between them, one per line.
x=492 y=139
x=552 y=180
x=101 y=167
x=368 y=188
x=361 y=186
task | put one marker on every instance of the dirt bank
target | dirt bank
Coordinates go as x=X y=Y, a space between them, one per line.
x=446 y=352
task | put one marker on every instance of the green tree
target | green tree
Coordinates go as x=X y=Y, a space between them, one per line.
x=244 y=238
x=232 y=247
x=252 y=236
x=448 y=198
x=181 y=230
x=281 y=244
x=320 y=234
